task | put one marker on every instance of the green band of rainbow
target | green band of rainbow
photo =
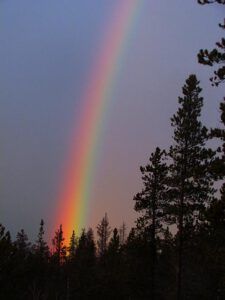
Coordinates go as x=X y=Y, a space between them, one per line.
x=75 y=191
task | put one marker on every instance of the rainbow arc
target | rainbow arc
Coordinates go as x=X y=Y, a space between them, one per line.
x=80 y=166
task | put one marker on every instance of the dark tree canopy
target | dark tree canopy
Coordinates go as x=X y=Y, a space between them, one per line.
x=211 y=1
x=191 y=181
x=59 y=248
x=103 y=232
x=215 y=56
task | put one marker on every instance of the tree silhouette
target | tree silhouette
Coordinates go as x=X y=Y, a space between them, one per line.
x=59 y=249
x=151 y=201
x=21 y=243
x=103 y=232
x=72 y=246
x=191 y=180
x=41 y=247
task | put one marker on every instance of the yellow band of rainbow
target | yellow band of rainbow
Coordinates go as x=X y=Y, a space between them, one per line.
x=75 y=191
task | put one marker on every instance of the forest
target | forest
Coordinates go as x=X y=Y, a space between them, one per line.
x=176 y=250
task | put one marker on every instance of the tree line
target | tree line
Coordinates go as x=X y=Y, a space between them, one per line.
x=176 y=250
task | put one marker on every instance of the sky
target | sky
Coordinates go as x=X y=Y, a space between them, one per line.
x=47 y=49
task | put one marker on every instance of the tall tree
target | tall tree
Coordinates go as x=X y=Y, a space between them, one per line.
x=72 y=246
x=191 y=189
x=41 y=247
x=59 y=247
x=86 y=248
x=114 y=242
x=103 y=232
x=151 y=201
x=83 y=273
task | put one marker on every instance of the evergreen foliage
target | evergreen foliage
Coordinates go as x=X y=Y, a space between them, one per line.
x=151 y=202
x=103 y=232
x=191 y=181
x=215 y=56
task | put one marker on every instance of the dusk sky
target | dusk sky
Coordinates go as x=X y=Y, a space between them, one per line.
x=47 y=50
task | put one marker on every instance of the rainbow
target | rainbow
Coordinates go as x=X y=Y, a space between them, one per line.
x=75 y=190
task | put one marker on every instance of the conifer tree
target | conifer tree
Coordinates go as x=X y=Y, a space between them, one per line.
x=114 y=242
x=41 y=247
x=59 y=247
x=91 y=245
x=84 y=266
x=103 y=232
x=21 y=243
x=86 y=246
x=151 y=201
x=72 y=246
x=191 y=189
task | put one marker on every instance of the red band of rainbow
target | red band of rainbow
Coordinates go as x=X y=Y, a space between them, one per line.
x=75 y=191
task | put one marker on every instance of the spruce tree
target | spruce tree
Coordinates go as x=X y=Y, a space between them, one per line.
x=22 y=244
x=86 y=248
x=83 y=273
x=191 y=182
x=103 y=232
x=114 y=242
x=151 y=201
x=59 y=252
x=72 y=246
x=41 y=247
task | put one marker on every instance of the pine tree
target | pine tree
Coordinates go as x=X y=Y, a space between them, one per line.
x=103 y=232
x=41 y=247
x=83 y=273
x=91 y=245
x=151 y=202
x=72 y=246
x=59 y=247
x=114 y=242
x=22 y=244
x=86 y=247
x=191 y=179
